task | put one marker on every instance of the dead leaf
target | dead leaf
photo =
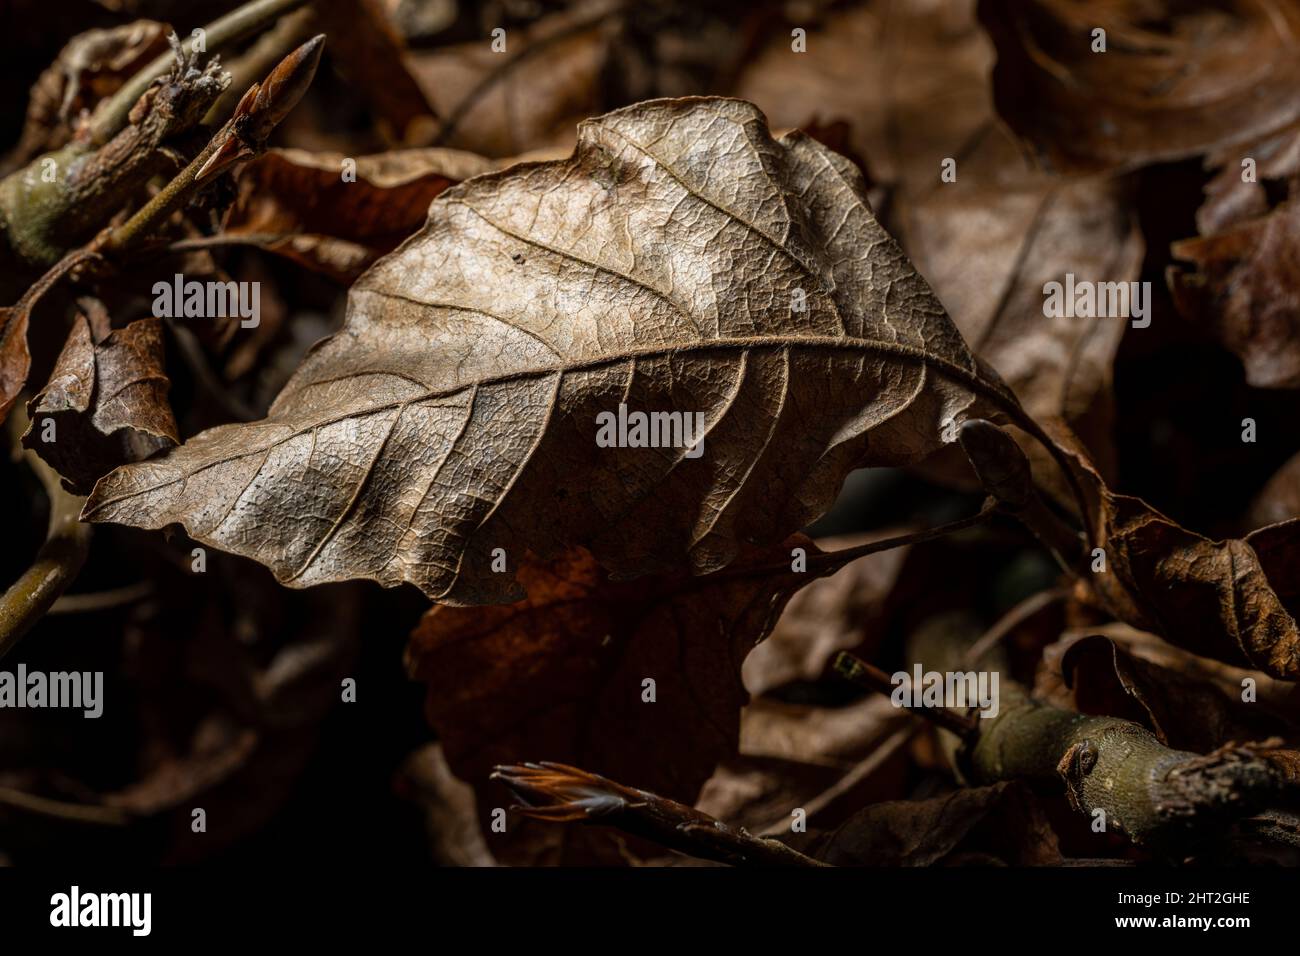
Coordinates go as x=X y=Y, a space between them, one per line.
x=758 y=792
x=1004 y=820
x=106 y=398
x=561 y=676
x=92 y=65
x=1277 y=697
x=1243 y=286
x=300 y=205
x=1184 y=711
x=529 y=95
x=1235 y=600
x=829 y=761
x=15 y=355
x=662 y=267
x=1231 y=197
x=990 y=241
x=1175 y=80
x=374 y=58
x=450 y=815
x=911 y=80
x=833 y=613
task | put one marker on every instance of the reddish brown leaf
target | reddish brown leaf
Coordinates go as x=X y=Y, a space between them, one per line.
x=559 y=676
x=298 y=204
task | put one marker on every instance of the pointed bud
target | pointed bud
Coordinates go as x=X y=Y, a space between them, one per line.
x=280 y=92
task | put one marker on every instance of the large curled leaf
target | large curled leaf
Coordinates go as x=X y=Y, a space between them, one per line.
x=681 y=260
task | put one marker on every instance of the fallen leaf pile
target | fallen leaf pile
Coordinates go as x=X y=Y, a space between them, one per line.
x=673 y=380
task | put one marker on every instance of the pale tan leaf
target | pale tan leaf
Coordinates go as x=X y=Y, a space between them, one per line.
x=662 y=266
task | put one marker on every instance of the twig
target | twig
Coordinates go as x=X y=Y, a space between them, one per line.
x=561 y=794
x=62 y=809
x=233 y=27
x=1113 y=770
x=244 y=135
x=831 y=561
x=102 y=600
x=67 y=542
x=854 y=669
x=1011 y=620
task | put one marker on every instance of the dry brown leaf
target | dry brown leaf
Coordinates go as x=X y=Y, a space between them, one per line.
x=662 y=267
x=559 y=676
x=373 y=57
x=91 y=66
x=1185 y=711
x=297 y=203
x=911 y=80
x=529 y=96
x=1278 y=697
x=1231 y=197
x=1002 y=823
x=1235 y=600
x=15 y=356
x=1176 y=79
x=450 y=815
x=834 y=613
x=1243 y=286
x=989 y=242
x=828 y=761
x=106 y=398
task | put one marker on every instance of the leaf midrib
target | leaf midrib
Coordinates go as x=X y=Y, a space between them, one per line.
x=966 y=376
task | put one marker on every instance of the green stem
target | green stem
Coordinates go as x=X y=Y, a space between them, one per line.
x=67 y=543
x=165 y=202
